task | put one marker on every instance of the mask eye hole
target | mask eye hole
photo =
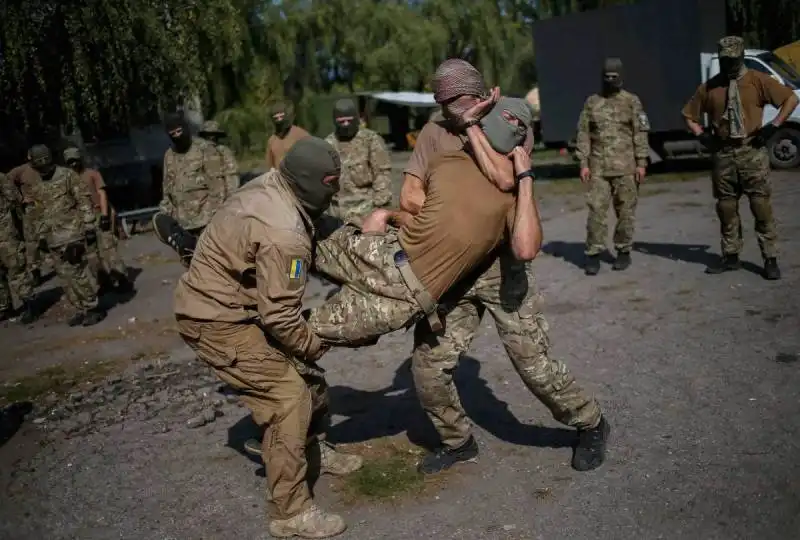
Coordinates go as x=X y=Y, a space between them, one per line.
x=177 y=132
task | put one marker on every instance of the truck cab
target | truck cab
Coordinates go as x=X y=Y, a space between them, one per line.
x=784 y=147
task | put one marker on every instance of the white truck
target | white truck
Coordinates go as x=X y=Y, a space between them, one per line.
x=668 y=48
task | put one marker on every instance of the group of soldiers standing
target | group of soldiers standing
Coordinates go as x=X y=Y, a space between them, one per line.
x=612 y=148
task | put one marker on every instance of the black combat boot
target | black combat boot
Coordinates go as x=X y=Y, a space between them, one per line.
x=771 y=269
x=623 y=261
x=728 y=263
x=252 y=447
x=122 y=284
x=444 y=458
x=28 y=314
x=6 y=314
x=36 y=277
x=592 y=266
x=77 y=319
x=93 y=316
x=590 y=452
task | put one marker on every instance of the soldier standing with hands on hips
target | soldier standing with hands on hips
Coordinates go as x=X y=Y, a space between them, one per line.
x=734 y=100
x=613 y=151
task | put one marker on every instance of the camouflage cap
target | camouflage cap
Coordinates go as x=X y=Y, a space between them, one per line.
x=211 y=127
x=731 y=47
x=72 y=153
x=40 y=156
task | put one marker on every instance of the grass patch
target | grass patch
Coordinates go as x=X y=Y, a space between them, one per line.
x=389 y=472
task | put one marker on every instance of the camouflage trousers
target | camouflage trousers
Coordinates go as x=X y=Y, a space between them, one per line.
x=738 y=171
x=373 y=300
x=293 y=407
x=107 y=251
x=13 y=277
x=507 y=290
x=78 y=277
x=30 y=231
x=623 y=191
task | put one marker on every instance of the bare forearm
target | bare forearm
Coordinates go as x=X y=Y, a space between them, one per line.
x=786 y=110
x=694 y=127
x=526 y=237
x=497 y=168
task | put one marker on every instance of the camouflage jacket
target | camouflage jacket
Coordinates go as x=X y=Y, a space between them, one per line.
x=67 y=212
x=195 y=183
x=8 y=228
x=366 y=178
x=230 y=169
x=612 y=134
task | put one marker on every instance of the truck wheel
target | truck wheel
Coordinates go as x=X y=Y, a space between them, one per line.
x=784 y=149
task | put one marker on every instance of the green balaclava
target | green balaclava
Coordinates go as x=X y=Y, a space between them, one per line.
x=42 y=161
x=284 y=124
x=612 y=76
x=345 y=119
x=179 y=132
x=74 y=159
x=304 y=167
x=501 y=131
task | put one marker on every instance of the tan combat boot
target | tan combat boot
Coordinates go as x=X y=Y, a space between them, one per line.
x=313 y=523
x=337 y=463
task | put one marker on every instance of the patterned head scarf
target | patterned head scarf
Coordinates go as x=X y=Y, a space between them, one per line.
x=731 y=60
x=455 y=77
x=731 y=47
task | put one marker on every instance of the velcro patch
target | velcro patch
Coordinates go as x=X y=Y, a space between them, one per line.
x=644 y=122
x=296 y=269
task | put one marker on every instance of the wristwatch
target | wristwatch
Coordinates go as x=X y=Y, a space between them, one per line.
x=524 y=174
x=471 y=122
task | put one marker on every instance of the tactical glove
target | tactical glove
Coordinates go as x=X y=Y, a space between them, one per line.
x=764 y=135
x=706 y=140
x=105 y=223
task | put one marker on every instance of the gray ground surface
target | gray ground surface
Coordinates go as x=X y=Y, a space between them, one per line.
x=699 y=377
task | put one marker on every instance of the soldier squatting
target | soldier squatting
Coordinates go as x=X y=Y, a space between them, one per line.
x=468 y=222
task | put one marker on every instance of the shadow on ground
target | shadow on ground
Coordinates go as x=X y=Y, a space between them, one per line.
x=571 y=169
x=573 y=253
x=12 y=418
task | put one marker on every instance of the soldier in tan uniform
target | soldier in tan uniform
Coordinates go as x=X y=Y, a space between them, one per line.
x=366 y=165
x=286 y=133
x=734 y=100
x=214 y=134
x=108 y=261
x=239 y=308
x=612 y=150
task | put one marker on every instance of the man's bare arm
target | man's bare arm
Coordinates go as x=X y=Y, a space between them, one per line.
x=786 y=110
x=412 y=194
x=694 y=127
x=526 y=234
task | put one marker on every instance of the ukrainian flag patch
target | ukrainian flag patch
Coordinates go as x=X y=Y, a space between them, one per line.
x=296 y=269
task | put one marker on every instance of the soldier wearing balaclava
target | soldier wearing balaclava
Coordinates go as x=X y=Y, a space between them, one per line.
x=734 y=101
x=612 y=148
x=366 y=166
x=285 y=133
x=239 y=306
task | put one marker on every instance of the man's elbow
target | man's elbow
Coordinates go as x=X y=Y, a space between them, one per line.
x=526 y=251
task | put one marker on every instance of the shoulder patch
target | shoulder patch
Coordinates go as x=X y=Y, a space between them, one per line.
x=644 y=122
x=296 y=269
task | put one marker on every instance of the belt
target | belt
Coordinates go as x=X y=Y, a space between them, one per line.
x=418 y=291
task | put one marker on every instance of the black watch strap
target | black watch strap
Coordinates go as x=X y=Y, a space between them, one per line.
x=524 y=174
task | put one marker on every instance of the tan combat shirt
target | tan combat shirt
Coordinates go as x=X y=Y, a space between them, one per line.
x=278 y=146
x=612 y=134
x=756 y=90
x=251 y=264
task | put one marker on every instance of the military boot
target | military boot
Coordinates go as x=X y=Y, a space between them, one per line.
x=36 y=277
x=337 y=463
x=171 y=233
x=623 y=261
x=592 y=266
x=122 y=283
x=312 y=523
x=445 y=457
x=5 y=314
x=93 y=316
x=728 y=263
x=771 y=269
x=590 y=452
x=28 y=314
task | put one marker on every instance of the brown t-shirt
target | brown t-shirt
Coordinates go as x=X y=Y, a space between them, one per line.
x=463 y=219
x=756 y=90
x=277 y=146
x=435 y=139
x=95 y=182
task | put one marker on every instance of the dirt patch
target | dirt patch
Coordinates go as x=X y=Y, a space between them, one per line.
x=389 y=473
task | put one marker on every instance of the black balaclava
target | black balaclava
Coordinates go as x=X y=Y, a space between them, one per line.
x=612 y=76
x=182 y=140
x=74 y=159
x=42 y=161
x=345 y=131
x=304 y=167
x=282 y=126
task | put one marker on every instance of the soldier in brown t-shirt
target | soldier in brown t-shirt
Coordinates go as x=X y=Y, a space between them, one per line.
x=108 y=261
x=286 y=134
x=734 y=100
x=390 y=280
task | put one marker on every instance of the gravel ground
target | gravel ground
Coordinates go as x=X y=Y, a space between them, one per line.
x=697 y=374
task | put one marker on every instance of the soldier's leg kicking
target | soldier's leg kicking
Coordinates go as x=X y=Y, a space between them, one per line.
x=625 y=194
x=598 y=198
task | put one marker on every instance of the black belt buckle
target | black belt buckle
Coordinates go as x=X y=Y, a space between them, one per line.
x=400 y=258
